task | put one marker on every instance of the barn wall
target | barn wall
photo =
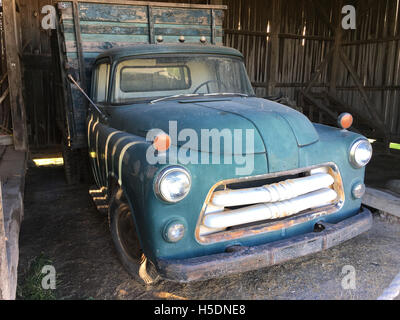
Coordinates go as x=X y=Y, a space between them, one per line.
x=5 y=111
x=39 y=76
x=285 y=42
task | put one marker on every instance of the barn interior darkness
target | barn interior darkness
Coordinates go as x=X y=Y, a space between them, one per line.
x=295 y=50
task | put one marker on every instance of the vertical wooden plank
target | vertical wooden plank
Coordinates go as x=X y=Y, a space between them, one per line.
x=274 y=54
x=11 y=32
x=336 y=53
x=212 y=26
x=78 y=38
x=5 y=290
x=150 y=18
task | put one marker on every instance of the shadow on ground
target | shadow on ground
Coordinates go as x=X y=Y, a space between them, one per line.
x=62 y=224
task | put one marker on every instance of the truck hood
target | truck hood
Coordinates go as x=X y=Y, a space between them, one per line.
x=279 y=131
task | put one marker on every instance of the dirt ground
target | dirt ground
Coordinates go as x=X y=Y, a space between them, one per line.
x=61 y=222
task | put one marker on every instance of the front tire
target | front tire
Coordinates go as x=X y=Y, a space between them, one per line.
x=126 y=241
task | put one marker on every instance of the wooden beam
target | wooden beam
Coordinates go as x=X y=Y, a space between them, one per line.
x=17 y=105
x=357 y=80
x=371 y=41
x=382 y=200
x=4 y=95
x=336 y=48
x=274 y=54
x=155 y=4
x=213 y=30
x=280 y=35
x=78 y=37
x=5 y=290
x=317 y=104
x=318 y=71
x=3 y=78
x=150 y=18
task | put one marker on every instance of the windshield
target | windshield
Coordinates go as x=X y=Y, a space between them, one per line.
x=166 y=76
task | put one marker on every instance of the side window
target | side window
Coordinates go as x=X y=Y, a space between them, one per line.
x=101 y=81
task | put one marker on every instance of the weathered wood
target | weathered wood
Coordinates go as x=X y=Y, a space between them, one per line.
x=394 y=186
x=336 y=48
x=318 y=104
x=138 y=14
x=358 y=82
x=275 y=30
x=213 y=26
x=5 y=289
x=115 y=13
x=154 y=4
x=323 y=16
x=3 y=78
x=119 y=30
x=382 y=200
x=6 y=140
x=12 y=170
x=11 y=35
x=319 y=69
x=150 y=19
x=371 y=41
x=37 y=61
x=78 y=43
x=4 y=95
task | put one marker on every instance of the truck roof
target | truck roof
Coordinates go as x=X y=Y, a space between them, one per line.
x=145 y=49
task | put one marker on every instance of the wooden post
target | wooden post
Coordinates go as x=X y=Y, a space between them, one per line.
x=12 y=44
x=78 y=37
x=5 y=293
x=337 y=48
x=274 y=38
x=150 y=18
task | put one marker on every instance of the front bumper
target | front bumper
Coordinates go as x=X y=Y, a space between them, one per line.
x=244 y=259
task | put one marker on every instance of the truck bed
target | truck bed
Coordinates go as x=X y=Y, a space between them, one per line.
x=89 y=27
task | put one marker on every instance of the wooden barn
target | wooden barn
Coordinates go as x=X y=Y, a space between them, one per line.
x=296 y=49
x=297 y=52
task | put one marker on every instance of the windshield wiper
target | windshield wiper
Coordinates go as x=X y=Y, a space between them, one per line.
x=226 y=94
x=188 y=95
x=176 y=96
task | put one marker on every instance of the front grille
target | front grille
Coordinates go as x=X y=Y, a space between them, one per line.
x=243 y=207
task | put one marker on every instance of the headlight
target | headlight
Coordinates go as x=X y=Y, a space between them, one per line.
x=173 y=184
x=360 y=153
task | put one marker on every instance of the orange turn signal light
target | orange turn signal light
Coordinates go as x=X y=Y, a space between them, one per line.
x=345 y=120
x=162 y=142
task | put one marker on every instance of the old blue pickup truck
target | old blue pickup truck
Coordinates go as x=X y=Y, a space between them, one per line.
x=199 y=177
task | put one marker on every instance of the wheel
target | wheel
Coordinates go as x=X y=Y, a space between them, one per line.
x=126 y=241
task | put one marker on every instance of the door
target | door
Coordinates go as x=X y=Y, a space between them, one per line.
x=100 y=87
